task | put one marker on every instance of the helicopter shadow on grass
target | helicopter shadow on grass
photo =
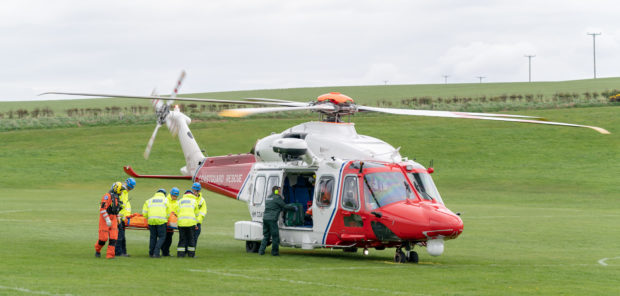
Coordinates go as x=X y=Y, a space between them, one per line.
x=336 y=255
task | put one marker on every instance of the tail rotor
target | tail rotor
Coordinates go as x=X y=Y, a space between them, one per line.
x=161 y=111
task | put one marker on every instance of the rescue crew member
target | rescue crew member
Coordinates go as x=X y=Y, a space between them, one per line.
x=273 y=206
x=108 y=227
x=308 y=215
x=172 y=208
x=155 y=210
x=121 y=243
x=202 y=206
x=188 y=210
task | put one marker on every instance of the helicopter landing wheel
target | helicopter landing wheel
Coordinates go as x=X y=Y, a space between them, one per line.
x=252 y=247
x=413 y=257
x=399 y=256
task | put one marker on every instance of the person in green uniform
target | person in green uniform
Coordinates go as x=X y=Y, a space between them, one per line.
x=273 y=206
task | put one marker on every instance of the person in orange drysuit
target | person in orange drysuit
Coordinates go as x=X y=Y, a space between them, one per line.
x=108 y=227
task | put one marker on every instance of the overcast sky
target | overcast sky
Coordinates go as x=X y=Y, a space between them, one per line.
x=133 y=46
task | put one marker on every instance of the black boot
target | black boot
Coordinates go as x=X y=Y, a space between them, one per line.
x=191 y=254
x=180 y=254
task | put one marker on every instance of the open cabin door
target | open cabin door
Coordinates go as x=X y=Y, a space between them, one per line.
x=298 y=191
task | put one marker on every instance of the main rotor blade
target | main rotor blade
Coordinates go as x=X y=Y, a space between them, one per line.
x=147 y=151
x=444 y=113
x=485 y=116
x=293 y=103
x=178 y=99
x=241 y=112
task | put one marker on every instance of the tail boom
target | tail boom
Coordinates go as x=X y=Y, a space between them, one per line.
x=225 y=175
x=129 y=171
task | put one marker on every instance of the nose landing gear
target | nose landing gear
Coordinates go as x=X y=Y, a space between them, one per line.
x=399 y=256
x=408 y=256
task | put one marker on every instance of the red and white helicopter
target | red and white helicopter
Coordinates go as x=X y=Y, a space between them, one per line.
x=360 y=191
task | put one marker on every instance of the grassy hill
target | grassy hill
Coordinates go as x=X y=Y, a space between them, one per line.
x=539 y=203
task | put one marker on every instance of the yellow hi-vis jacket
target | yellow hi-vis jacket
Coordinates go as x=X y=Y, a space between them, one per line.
x=172 y=205
x=125 y=205
x=155 y=209
x=187 y=210
x=202 y=206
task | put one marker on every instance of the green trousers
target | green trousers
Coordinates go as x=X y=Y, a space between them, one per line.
x=270 y=230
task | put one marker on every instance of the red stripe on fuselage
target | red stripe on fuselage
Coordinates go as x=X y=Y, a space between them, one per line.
x=225 y=174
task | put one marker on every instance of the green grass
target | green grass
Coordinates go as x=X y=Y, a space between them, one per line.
x=540 y=206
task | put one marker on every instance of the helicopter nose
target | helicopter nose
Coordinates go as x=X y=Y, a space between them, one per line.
x=444 y=222
x=421 y=221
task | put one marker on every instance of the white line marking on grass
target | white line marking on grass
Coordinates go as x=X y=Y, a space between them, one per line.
x=309 y=269
x=452 y=265
x=28 y=221
x=13 y=211
x=538 y=216
x=602 y=261
x=299 y=282
x=24 y=290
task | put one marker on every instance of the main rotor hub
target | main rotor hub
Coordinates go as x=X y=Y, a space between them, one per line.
x=335 y=98
x=343 y=105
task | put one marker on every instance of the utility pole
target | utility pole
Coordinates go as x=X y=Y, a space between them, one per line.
x=529 y=57
x=594 y=49
x=480 y=77
x=445 y=79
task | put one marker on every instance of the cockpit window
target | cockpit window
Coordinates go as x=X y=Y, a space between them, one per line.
x=425 y=186
x=381 y=189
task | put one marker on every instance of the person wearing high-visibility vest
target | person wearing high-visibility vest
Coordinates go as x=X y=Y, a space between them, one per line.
x=172 y=208
x=202 y=206
x=108 y=229
x=188 y=210
x=155 y=210
x=121 y=244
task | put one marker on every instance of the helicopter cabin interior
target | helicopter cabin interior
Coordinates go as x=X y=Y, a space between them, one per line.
x=298 y=190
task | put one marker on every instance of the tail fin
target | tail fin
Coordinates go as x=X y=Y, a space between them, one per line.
x=178 y=124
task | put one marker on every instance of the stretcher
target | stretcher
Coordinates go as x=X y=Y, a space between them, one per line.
x=137 y=221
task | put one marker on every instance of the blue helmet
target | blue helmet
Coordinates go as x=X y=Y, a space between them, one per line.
x=188 y=191
x=131 y=183
x=174 y=191
x=196 y=186
x=162 y=191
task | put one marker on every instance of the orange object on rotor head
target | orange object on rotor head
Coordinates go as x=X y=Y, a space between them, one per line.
x=335 y=97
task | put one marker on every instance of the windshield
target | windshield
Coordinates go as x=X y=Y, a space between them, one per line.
x=384 y=188
x=425 y=186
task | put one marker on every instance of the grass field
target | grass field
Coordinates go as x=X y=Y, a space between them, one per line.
x=540 y=204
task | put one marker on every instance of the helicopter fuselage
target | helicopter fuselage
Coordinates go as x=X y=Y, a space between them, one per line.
x=353 y=191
